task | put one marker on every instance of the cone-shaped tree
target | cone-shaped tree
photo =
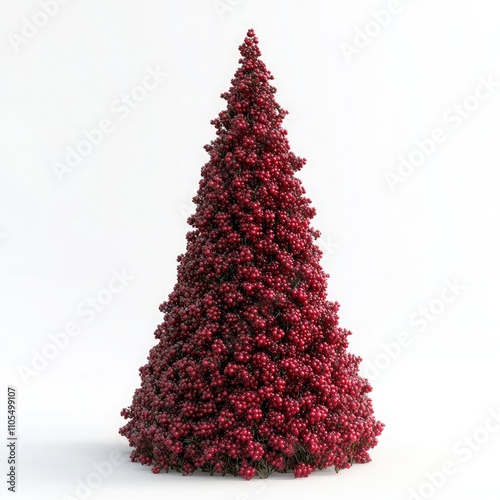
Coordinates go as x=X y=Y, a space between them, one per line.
x=250 y=373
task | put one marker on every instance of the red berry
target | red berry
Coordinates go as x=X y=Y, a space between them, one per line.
x=251 y=370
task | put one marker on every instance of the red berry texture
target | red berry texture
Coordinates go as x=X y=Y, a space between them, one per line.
x=250 y=374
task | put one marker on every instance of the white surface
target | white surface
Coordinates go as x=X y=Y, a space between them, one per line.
x=124 y=207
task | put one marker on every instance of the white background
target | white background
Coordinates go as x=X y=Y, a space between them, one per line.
x=123 y=208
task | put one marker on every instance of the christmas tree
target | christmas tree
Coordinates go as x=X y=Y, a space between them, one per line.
x=251 y=374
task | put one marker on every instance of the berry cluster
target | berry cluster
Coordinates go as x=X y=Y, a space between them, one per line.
x=250 y=373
